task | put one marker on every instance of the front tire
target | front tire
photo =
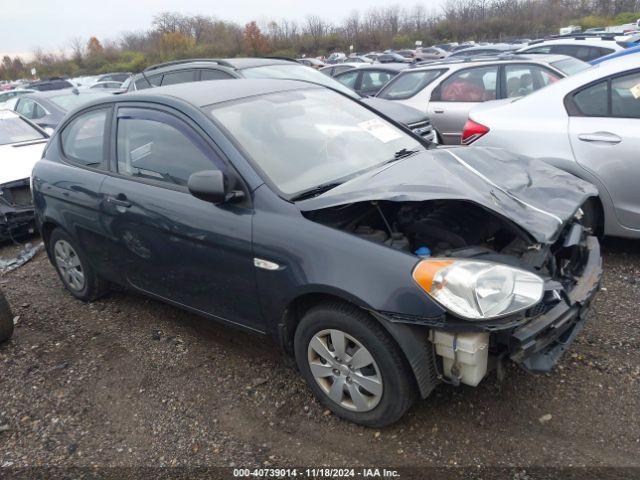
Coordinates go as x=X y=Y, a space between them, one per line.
x=352 y=365
x=73 y=267
x=6 y=319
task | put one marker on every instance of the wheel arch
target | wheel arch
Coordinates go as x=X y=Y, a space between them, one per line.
x=410 y=339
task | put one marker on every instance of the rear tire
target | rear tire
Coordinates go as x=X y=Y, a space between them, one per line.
x=6 y=319
x=73 y=267
x=368 y=375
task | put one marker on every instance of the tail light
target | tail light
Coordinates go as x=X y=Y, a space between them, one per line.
x=472 y=131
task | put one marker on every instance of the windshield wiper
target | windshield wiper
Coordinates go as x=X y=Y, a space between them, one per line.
x=315 y=191
x=403 y=153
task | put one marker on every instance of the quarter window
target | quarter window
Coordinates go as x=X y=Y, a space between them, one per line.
x=524 y=79
x=472 y=85
x=83 y=138
x=25 y=107
x=372 y=81
x=159 y=147
x=593 y=101
x=213 y=75
x=183 y=76
x=348 y=79
x=148 y=81
x=625 y=96
x=583 y=52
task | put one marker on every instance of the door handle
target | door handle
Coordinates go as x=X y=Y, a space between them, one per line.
x=600 y=137
x=438 y=111
x=119 y=201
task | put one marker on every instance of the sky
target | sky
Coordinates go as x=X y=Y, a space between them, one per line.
x=51 y=24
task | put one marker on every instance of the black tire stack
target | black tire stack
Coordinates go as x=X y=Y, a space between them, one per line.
x=6 y=319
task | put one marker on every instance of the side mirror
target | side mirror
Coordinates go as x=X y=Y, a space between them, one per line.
x=208 y=185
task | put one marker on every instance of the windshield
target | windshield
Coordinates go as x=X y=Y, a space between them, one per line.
x=408 y=84
x=70 y=101
x=303 y=139
x=297 y=72
x=570 y=66
x=14 y=129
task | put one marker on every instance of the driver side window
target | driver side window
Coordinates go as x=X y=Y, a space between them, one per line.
x=156 y=146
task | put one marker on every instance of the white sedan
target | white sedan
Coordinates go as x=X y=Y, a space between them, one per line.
x=588 y=125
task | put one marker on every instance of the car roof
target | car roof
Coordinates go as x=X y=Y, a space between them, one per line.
x=585 y=77
x=588 y=41
x=461 y=62
x=56 y=93
x=211 y=92
x=491 y=46
x=235 y=63
x=389 y=67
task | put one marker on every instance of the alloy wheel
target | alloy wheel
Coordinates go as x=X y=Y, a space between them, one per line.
x=345 y=370
x=69 y=265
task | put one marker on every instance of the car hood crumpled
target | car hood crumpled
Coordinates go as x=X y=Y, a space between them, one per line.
x=17 y=160
x=532 y=194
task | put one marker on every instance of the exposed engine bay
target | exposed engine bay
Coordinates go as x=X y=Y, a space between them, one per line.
x=459 y=229
x=463 y=229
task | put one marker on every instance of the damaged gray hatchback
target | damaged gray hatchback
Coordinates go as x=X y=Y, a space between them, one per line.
x=290 y=210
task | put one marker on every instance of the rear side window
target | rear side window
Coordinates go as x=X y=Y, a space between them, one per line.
x=348 y=79
x=372 y=80
x=156 y=146
x=524 y=79
x=148 y=82
x=625 y=96
x=593 y=100
x=83 y=138
x=408 y=84
x=213 y=75
x=25 y=107
x=472 y=85
x=30 y=109
x=582 y=52
x=183 y=76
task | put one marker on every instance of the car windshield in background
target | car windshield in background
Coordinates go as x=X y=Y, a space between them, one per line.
x=296 y=72
x=570 y=66
x=308 y=138
x=70 y=101
x=408 y=84
x=14 y=129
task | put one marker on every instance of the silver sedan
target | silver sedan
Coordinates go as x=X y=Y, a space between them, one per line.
x=588 y=125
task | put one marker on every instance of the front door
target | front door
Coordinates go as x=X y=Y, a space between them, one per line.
x=165 y=241
x=605 y=138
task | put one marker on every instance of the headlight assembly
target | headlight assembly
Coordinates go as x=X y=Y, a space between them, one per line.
x=478 y=290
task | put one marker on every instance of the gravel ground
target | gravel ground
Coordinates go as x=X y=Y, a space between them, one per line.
x=128 y=381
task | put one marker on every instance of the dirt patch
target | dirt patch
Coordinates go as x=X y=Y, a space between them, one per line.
x=128 y=381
